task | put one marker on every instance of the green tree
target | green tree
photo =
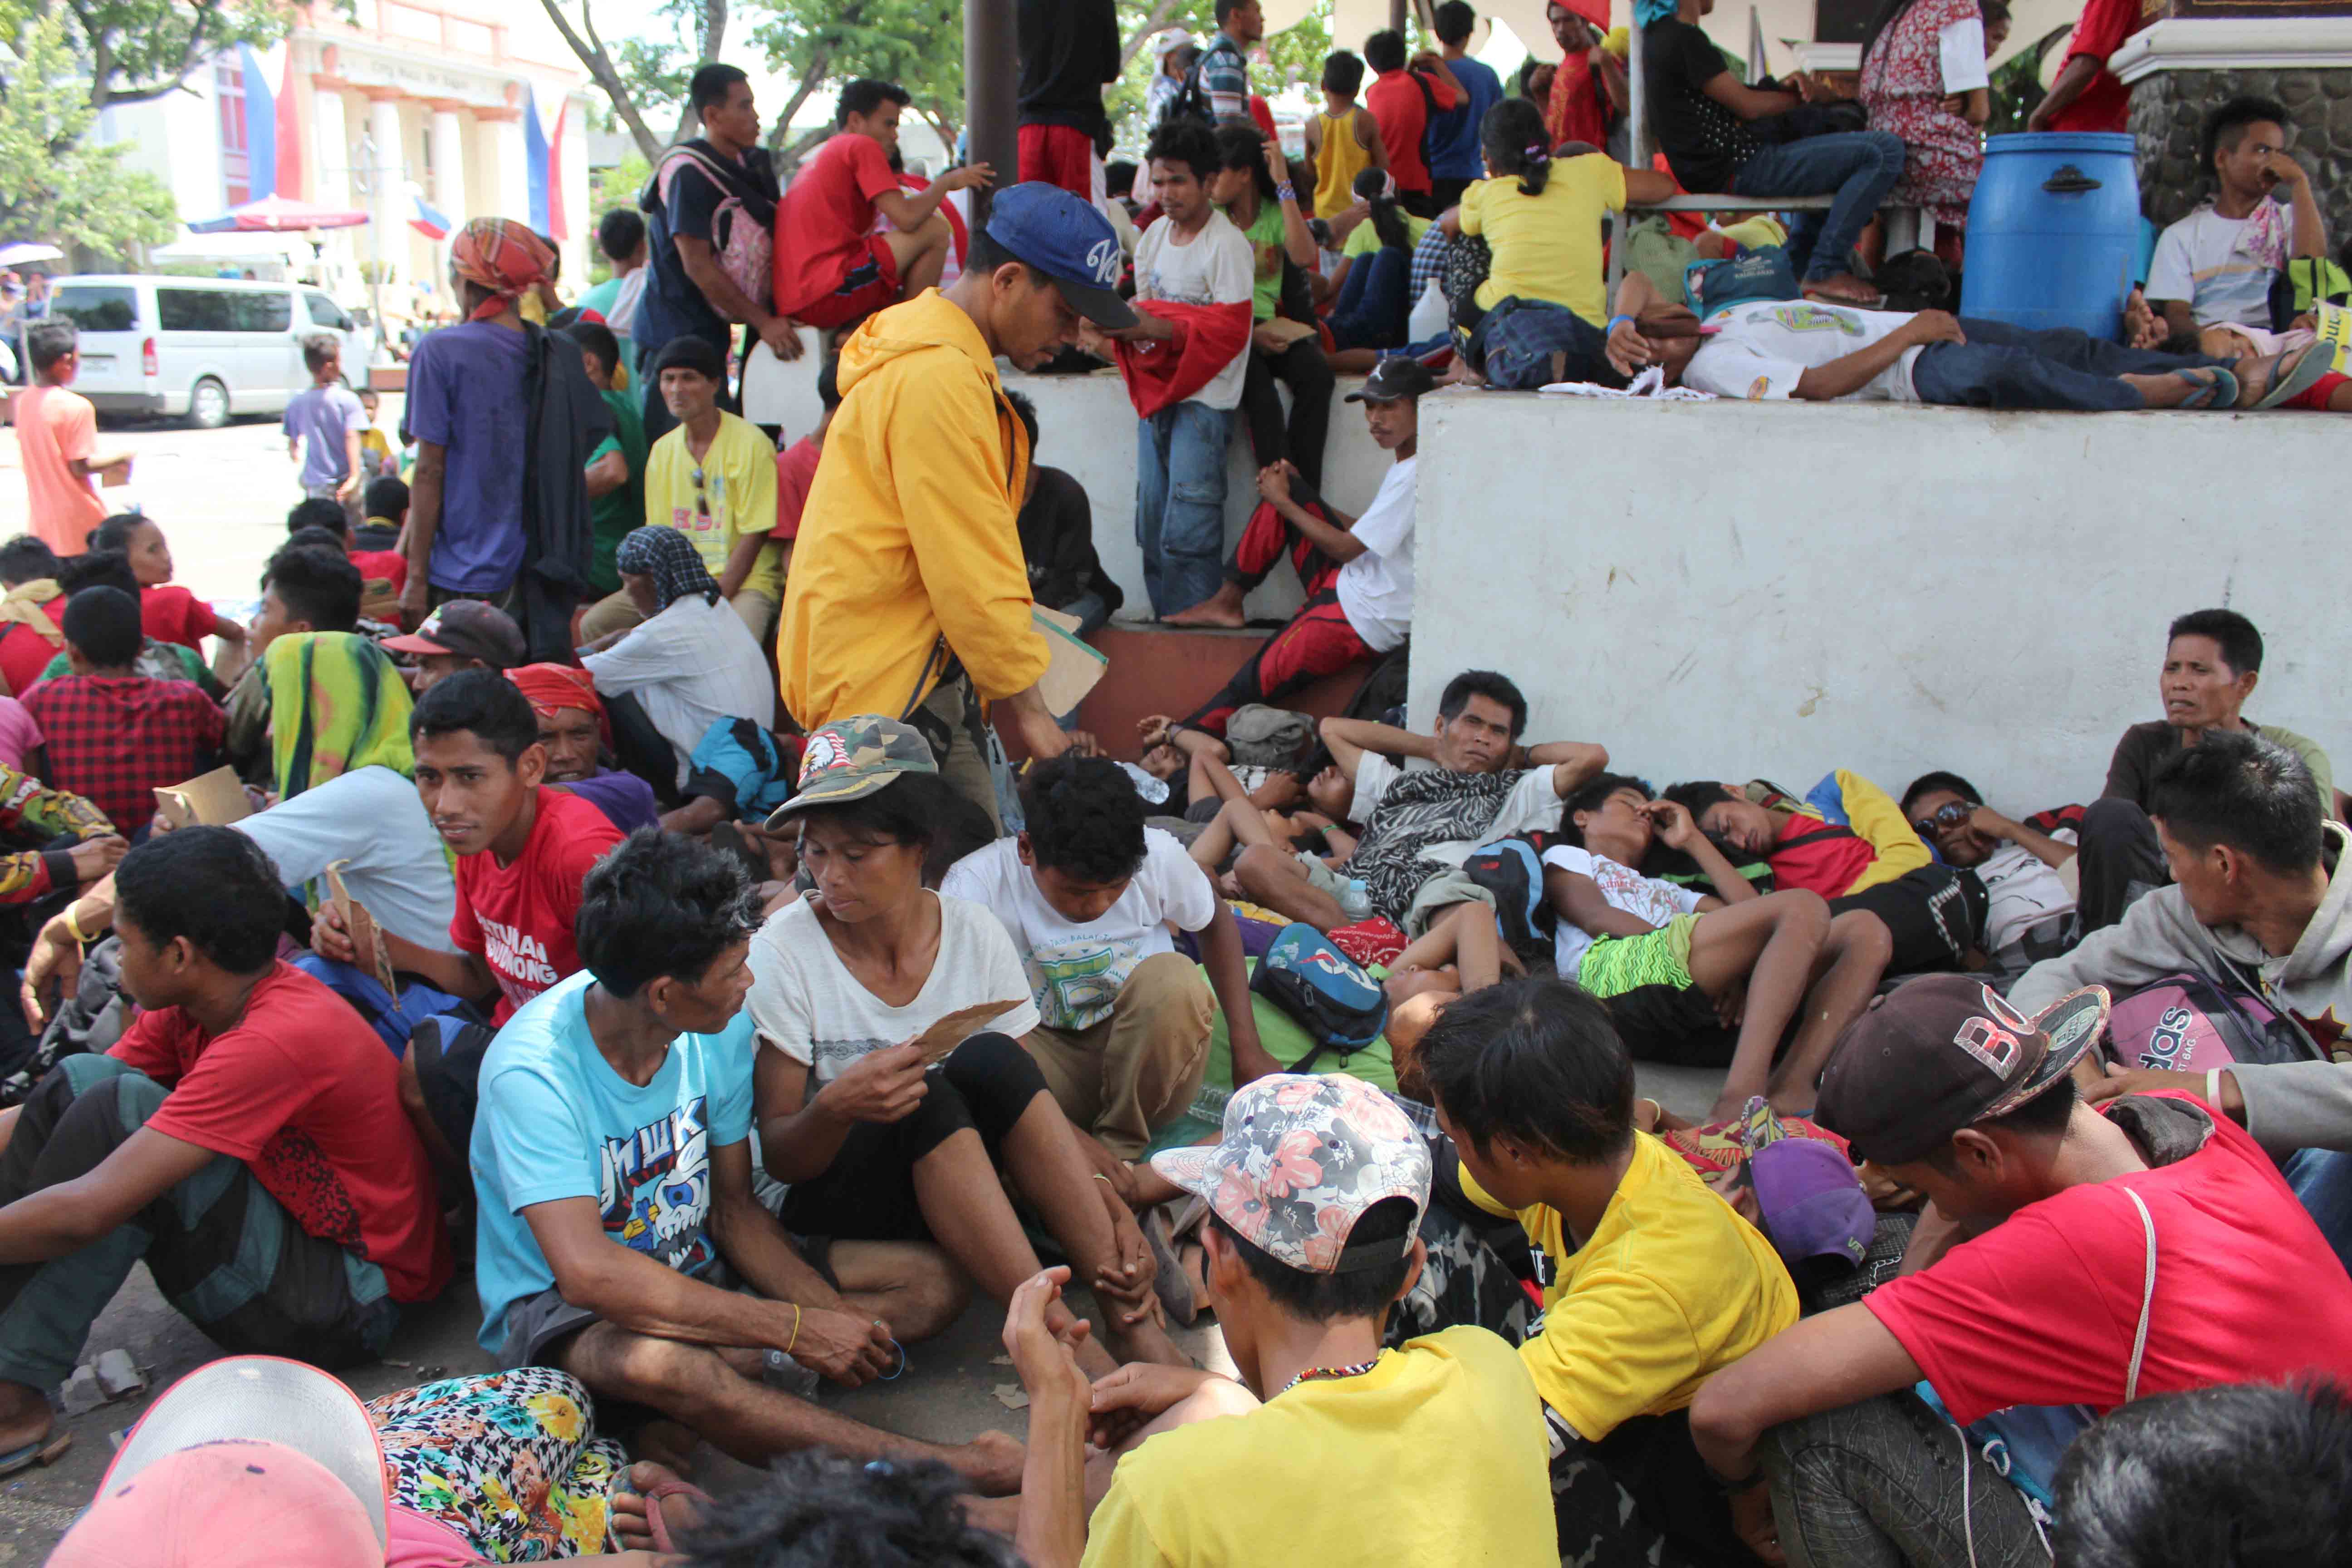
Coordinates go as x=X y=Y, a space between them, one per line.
x=919 y=44
x=131 y=50
x=61 y=187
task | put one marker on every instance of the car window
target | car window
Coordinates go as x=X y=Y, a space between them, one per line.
x=193 y=309
x=325 y=312
x=256 y=312
x=97 y=307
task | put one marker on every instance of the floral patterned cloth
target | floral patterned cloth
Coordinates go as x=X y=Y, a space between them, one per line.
x=509 y=1461
x=1903 y=90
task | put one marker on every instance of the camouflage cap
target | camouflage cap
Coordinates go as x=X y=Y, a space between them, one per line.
x=850 y=759
x=1302 y=1159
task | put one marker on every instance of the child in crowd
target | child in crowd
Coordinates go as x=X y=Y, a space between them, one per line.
x=324 y=425
x=616 y=468
x=113 y=734
x=1402 y=101
x=374 y=565
x=30 y=633
x=57 y=435
x=1252 y=187
x=157 y=658
x=1185 y=361
x=796 y=466
x=168 y=612
x=387 y=514
x=1344 y=140
x=1372 y=280
x=1651 y=1281
x=377 y=459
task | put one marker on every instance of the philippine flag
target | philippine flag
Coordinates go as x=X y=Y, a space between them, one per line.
x=428 y=220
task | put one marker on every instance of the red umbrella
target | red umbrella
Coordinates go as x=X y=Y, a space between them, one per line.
x=278 y=215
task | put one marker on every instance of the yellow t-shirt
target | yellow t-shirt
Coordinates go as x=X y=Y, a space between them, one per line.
x=1547 y=247
x=737 y=496
x=1363 y=239
x=1672 y=1287
x=1433 y=1458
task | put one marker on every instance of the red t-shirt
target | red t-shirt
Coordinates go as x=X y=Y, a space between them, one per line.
x=519 y=918
x=24 y=652
x=172 y=613
x=304 y=1092
x=1394 y=98
x=1576 y=110
x=826 y=214
x=386 y=563
x=796 y=470
x=2043 y=1309
x=1819 y=857
x=2105 y=103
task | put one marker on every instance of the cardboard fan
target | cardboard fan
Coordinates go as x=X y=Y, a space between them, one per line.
x=957 y=1027
x=362 y=927
x=215 y=799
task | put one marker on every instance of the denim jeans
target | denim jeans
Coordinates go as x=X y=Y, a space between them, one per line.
x=2322 y=1180
x=1372 y=307
x=2002 y=366
x=1885 y=1483
x=1857 y=167
x=1180 y=503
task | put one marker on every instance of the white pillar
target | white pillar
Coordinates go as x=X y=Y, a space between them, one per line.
x=514 y=186
x=449 y=164
x=389 y=172
x=334 y=145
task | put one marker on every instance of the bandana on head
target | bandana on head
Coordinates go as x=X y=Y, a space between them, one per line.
x=552 y=687
x=501 y=256
x=669 y=558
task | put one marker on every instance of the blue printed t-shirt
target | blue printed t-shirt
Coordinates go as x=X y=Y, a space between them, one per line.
x=1452 y=136
x=322 y=417
x=556 y=1121
x=465 y=394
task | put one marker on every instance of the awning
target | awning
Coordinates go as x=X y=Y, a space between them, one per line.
x=278 y=214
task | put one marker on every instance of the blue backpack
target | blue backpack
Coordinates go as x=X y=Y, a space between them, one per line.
x=393 y=1018
x=1327 y=993
x=1512 y=869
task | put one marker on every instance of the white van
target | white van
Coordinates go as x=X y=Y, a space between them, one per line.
x=202 y=348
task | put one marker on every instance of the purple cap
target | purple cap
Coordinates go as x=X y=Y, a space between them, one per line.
x=1812 y=1202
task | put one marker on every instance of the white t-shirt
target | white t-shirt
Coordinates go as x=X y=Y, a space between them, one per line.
x=1622 y=888
x=373 y=819
x=693 y=663
x=1075 y=972
x=1375 y=589
x=1763 y=349
x=1214 y=268
x=806 y=1004
x=1532 y=804
x=2199 y=260
x=2021 y=892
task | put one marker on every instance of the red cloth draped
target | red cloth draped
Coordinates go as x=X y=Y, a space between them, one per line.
x=1161 y=375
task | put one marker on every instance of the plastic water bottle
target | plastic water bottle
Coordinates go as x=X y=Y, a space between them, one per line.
x=1429 y=315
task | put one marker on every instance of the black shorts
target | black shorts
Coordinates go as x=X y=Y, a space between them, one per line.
x=868 y=1194
x=449 y=1053
x=1672 y=1024
x=1934 y=914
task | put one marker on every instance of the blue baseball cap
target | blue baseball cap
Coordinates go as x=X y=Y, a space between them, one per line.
x=1068 y=241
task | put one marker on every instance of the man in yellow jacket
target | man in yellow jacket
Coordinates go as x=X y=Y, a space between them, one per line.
x=908 y=595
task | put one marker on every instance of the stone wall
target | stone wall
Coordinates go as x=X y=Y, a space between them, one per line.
x=2168 y=115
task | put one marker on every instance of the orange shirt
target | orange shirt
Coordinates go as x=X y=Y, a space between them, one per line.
x=54 y=427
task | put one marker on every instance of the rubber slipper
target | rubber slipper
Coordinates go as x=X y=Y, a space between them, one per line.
x=1168 y=1280
x=47 y=1451
x=2306 y=372
x=2216 y=387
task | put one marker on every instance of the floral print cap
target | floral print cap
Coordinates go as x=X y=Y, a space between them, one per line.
x=1302 y=1159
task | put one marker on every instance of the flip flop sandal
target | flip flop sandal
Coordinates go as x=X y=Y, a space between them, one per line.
x=47 y=1451
x=2216 y=387
x=1168 y=1280
x=655 y=1524
x=2312 y=364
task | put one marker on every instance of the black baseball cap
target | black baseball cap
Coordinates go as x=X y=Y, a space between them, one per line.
x=1068 y=241
x=1393 y=380
x=1943 y=1052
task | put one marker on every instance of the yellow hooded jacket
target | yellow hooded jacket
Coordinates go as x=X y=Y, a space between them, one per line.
x=909 y=549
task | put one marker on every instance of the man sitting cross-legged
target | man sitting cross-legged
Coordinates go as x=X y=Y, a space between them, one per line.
x=1418 y=826
x=244 y=1137
x=2069 y=1257
x=1422 y=1456
x=612 y=1158
x=1671 y=963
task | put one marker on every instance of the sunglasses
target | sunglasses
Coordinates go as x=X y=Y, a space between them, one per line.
x=701 y=496
x=1952 y=814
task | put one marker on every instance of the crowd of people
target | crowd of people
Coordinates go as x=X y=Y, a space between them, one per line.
x=625 y=902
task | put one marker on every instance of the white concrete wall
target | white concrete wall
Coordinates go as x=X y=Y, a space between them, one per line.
x=1738 y=590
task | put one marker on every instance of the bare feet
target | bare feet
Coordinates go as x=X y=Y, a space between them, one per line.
x=991 y=1462
x=25 y=1418
x=1845 y=288
x=1146 y=1340
x=1222 y=608
x=679 y=1511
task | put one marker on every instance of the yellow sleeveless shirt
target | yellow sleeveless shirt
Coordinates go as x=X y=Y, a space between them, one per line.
x=1338 y=159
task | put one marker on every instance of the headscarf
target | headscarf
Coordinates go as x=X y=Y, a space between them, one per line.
x=501 y=256
x=22 y=607
x=551 y=688
x=336 y=704
x=670 y=559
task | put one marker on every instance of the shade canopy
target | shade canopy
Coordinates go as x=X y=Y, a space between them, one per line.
x=279 y=215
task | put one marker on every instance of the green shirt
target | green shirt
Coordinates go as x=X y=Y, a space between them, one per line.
x=1266 y=237
x=614 y=514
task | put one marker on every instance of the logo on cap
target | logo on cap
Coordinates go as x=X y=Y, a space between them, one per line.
x=823 y=752
x=1994 y=1041
x=1103 y=256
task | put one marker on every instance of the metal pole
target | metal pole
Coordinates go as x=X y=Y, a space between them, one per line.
x=991 y=71
x=1397 y=14
x=1637 y=128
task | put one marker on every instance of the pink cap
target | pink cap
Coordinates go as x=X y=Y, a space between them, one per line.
x=224 y=1504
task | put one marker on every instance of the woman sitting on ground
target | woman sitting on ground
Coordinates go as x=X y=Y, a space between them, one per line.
x=874 y=1143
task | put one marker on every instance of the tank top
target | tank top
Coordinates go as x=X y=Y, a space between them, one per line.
x=1338 y=159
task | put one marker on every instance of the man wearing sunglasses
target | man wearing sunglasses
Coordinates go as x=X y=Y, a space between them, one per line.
x=2031 y=880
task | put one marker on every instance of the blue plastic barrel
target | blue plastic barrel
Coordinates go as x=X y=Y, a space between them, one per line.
x=2053 y=231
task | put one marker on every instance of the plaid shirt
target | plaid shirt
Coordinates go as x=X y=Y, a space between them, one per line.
x=112 y=739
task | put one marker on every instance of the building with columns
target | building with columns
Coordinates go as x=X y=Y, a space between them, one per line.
x=479 y=110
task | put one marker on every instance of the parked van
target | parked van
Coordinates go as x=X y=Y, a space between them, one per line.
x=201 y=348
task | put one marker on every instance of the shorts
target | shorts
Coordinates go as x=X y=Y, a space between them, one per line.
x=868 y=1194
x=536 y=1323
x=1659 y=1010
x=1936 y=915
x=1439 y=894
x=1355 y=900
x=868 y=283
x=1060 y=155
